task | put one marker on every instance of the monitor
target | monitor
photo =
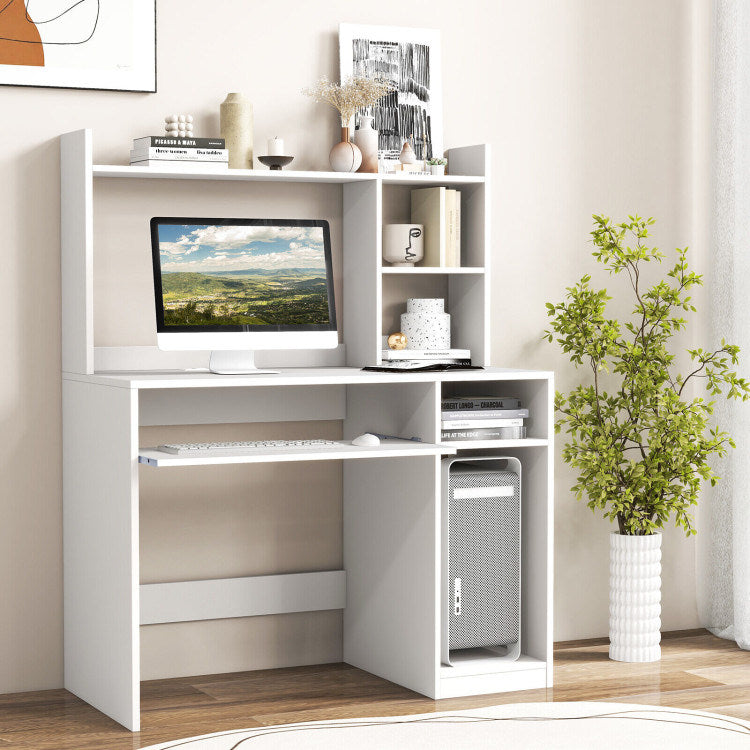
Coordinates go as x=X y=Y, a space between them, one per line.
x=234 y=286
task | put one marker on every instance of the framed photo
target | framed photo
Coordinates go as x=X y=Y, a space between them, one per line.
x=410 y=59
x=79 y=44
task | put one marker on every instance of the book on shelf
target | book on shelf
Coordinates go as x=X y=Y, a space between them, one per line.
x=459 y=403
x=180 y=154
x=394 y=354
x=412 y=169
x=484 y=424
x=152 y=141
x=484 y=414
x=421 y=364
x=491 y=433
x=183 y=166
x=438 y=210
x=453 y=240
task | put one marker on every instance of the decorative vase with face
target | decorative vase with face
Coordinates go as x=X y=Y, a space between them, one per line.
x=403 y=244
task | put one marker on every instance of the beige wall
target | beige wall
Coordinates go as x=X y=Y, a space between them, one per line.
x=588 y=107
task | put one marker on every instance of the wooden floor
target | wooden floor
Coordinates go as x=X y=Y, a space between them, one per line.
x=697 y=671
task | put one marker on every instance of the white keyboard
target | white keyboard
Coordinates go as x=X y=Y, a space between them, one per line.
x=240 y=448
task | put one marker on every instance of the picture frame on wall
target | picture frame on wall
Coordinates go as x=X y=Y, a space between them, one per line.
x=79 y=44
x=410 y=58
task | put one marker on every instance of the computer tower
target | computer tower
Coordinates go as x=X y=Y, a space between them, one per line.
x=481 y=584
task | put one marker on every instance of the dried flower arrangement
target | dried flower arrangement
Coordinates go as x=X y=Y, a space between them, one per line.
x=350 y=95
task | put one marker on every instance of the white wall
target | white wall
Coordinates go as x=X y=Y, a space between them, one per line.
x=588 y=106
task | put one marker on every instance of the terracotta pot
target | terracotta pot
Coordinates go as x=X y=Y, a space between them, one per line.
x=345 y=156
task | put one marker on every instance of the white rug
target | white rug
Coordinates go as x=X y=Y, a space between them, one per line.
x=599 y=726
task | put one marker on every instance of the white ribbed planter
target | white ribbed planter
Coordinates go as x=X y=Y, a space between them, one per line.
x=634 y=597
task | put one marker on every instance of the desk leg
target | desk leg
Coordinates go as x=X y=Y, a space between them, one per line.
x=100 y=529
x=391 y=546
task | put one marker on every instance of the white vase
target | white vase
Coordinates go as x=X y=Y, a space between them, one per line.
x=345 y=156
x=236 y=125
x=634 y=597
x=366 y=139
x=437 y=170
x=426 y=325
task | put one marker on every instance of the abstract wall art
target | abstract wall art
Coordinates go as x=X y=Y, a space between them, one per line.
x=410 y=59
x=81 y=44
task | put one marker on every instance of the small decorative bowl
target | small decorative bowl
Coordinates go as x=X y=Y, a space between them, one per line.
x=275 y=162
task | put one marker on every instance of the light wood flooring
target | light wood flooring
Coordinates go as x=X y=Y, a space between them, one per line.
x=697 y=671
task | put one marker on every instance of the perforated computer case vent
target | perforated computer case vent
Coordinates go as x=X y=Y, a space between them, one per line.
x=484 y=557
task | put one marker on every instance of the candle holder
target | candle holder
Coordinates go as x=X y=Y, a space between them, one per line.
x=275 y=162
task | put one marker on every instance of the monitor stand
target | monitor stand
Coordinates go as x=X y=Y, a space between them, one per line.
x=236 y=363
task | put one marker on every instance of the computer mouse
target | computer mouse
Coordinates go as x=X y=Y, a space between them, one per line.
x=366 y=441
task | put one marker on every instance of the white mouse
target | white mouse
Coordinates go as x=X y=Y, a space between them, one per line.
x=366 y=441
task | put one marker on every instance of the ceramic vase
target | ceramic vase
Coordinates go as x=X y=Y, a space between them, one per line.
x=236 y=125
x=403 y=244
x=437 y=169
x=426 y=325
x=634 y=597
x=366 y=139
x=407 y=155
x=345 y=156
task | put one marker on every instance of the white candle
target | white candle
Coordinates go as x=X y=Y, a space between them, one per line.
x=276 y=146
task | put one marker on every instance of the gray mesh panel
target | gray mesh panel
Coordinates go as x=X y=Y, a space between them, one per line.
x=484 y=552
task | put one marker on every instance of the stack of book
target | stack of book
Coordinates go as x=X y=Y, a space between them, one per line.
x=436 y=357
x=482 y=418
x=190 y=154
x=438 y=209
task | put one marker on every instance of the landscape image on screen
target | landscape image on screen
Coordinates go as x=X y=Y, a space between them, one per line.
x=228 y=275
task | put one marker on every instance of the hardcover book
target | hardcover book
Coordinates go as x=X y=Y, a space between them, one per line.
x=395 y=354
x=180 y=154
x=459 y=403
x=493 y=433
x=150 y=141
x=484 y=414
x=472 y=424
x=421 y=364
x=428 y=208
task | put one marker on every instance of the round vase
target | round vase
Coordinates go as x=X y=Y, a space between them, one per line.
x=403 y=244
x=426 y=325
x=236 y=125
x=366 y=139
x=437 y=169
x=634 y=597
x=345 y=156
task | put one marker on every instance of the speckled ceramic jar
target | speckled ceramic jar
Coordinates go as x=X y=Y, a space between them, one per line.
x=634 y=597
x=426 y=325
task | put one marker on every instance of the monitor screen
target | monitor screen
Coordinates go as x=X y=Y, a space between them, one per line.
x=242 y=275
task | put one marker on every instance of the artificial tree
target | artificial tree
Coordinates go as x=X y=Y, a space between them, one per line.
x=640 y=441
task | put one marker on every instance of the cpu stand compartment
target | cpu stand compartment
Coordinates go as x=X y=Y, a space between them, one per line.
x=481 y=569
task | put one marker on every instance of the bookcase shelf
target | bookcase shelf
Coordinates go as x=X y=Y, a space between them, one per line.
x=465 y=445
x=432 y=270
x=288 y=175
x=432 y=181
